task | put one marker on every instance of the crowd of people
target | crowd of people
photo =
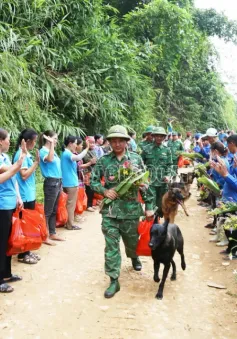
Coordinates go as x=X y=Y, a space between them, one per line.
x=93 y=163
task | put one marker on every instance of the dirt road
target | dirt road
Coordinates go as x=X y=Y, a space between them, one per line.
x=62 y=296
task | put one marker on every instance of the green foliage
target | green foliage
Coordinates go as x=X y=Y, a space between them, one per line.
x=69 y=65
x=180 y=61
x=212 y=23
x=74 y=68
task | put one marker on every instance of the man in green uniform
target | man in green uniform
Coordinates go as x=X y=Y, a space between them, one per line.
x=157 y=157
x=121 y=217
x=175 y=145
x=149 y=138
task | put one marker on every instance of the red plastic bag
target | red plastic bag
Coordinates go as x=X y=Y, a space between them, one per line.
x=62 y=215
x=181 y=161
x=94 y=203
x=98 y=196
x=80 y=198
x=144 y=230
x=25 y=234
x=85 y=202
x=43 y=226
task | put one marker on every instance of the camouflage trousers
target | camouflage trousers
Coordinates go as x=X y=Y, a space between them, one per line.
x=158 y=192
x=113 y=229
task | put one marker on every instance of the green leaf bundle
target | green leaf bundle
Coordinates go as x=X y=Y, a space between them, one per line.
x=210 y=184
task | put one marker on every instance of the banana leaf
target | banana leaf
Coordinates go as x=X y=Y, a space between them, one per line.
x=126 y=184
x=210 y=184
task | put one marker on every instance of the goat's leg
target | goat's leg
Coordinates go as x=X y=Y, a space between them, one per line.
x=173 y=276
x=180 y=249
x=159 y=294
x=156 y=271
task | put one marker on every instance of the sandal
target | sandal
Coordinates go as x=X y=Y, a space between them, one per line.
x=5 y=288
x=35 y=255
x=28 y=259
x=74 y=228
x=13 y=278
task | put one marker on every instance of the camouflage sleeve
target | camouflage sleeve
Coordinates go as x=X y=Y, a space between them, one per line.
x=147 y=194
x=96 y=175
x=169 y=164
x=143 y=156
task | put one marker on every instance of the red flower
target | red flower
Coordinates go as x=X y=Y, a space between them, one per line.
x=127 y=164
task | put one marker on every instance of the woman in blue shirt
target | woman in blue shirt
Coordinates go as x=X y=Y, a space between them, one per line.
x=26 y=182
x=50 y=167
x=219 y=150
x=70 y=177
x=229 y=175
x=9 y=199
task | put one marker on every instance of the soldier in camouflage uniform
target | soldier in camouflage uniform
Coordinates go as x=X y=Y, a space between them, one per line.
x=149 y=138
x=157 y=157
x=175 y=145
x=121 y=217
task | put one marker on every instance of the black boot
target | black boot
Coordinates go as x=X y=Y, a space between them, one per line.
x=136 y=263
x=113 y=288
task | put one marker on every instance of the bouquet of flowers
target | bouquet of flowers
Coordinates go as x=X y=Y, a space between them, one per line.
x=129 y=178
x=231 y=223
x=229 y=207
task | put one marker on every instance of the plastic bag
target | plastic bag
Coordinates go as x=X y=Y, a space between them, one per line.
x=17 y=240
x=187 y=162
x=43 y=225
x=80 y=199
x=85 y=202
x=144 y=230
x=181 y=161
x=98 y=196
x=62 y=215
x=25 y=234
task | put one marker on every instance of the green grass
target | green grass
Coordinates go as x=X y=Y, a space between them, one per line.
x=39 y=187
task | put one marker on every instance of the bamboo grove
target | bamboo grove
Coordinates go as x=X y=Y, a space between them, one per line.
x=79 y=66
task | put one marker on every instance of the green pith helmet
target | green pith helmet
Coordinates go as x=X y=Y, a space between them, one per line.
x=118 y=131
x=174 y=133
x=149 y=129
x=159 y=130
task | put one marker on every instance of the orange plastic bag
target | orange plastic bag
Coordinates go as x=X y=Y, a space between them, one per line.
x=80 y=199
x=62 y=215
x=181 y=161
x=144 y=230
x=25 y=234
x=187 y=162
x=94 y=203
x=43 y=226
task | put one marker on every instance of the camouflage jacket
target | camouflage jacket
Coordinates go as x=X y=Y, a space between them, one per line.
x=121 y=208
x=142 y=144
x=175 y=146
x=158 y=160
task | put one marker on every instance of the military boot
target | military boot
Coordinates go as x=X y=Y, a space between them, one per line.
x=112 y=289
x=136 y=263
